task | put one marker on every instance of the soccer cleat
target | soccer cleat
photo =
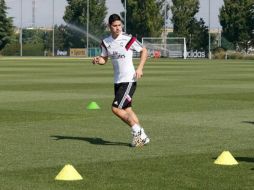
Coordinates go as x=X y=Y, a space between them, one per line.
x=144 y=137
x=146 y=141
x=140 y=139
x=136 y=140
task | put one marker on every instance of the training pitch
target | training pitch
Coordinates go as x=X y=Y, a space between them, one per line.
x=193 y=110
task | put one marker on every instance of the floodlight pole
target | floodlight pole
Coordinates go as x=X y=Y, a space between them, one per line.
x=21 y=26
x=165 y=17
x=53 y=30
x=125 y=12
x=87 y=28
x=165 y=27
x=209 y=48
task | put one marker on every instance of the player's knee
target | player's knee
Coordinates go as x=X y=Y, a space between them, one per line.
x=115 y=110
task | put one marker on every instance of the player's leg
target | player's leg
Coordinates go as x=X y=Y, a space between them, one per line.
x=129 y=117
x=144 y=138
x=121 y=107
x=132 y=114
x=124 y=116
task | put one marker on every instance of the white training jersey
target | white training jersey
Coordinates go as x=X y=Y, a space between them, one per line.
x=120 y=50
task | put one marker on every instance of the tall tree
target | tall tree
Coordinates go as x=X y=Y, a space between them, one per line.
x=182 y=15
x=59 y=37
x=6 y=27
x=186 y=25
x=252 y=24
x=76 y=15
x=198 y=36
x=144 y=18
x=236 y=19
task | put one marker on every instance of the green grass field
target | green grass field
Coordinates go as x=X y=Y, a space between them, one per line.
x=191 y=109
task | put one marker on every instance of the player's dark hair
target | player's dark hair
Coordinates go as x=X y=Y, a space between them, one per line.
x=114 y=17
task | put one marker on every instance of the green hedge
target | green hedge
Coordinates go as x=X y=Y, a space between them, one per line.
x=220 y=53
x=238 y=55
x=13 y=49
x=33 y=49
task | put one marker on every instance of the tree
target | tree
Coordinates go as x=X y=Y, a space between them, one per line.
x=186 y=25
x=76 y=15
x=144 y=18
x=183 y=14
x=60 y=35
x=32 y=36
x=198 y=35
x=236 y=19
x=60 y=38
x=12 y=48
x=6 y=27
x=252 y=24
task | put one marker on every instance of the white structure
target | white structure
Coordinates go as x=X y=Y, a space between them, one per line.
x=174 y=47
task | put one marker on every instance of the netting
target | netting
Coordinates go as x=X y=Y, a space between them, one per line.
x=174 y=47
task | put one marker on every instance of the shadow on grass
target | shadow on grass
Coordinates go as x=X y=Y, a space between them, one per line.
x=248 y=122
x=244 y=159
x=91 y=140
x=241 y=159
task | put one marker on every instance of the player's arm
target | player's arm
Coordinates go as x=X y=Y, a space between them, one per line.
x=103 y=58
x=100 y=60
x=143 y=57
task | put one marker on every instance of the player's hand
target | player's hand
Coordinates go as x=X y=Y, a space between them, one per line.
x=139 y=73
x=96 y=60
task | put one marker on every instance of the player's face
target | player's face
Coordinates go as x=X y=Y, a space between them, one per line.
x=116 y=28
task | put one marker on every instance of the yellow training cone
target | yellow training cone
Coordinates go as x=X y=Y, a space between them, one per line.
x=226 y=158
x=68 y=173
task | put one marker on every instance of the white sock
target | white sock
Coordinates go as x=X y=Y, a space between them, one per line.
x=135 y=128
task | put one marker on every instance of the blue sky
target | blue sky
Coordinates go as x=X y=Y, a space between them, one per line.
x=44 y=11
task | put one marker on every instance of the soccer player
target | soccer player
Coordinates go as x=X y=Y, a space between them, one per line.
x=119 y=47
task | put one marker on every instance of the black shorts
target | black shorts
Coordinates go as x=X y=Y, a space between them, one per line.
x=123 y=94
